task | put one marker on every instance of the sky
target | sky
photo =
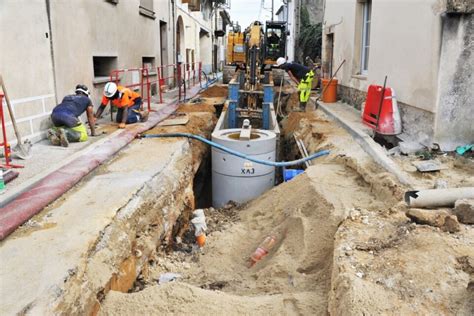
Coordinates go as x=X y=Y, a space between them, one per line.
x=247 y=11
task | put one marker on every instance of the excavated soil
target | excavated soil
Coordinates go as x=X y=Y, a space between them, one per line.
x=196 y=107
x=293 y=279
x=215 y=91
x=456 y=171
x=344 y=247
x=201 y=121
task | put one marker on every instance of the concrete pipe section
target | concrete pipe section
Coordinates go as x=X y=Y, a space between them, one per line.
x=237 y=179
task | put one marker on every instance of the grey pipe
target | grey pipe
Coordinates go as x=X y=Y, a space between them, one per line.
x=437 y=197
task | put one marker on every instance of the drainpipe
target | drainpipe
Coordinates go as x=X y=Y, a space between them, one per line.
x=51 y=48
x=173 y=9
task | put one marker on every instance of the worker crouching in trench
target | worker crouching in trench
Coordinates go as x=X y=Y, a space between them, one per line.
x=65 y=117
x=128 y=102
x=302 y=76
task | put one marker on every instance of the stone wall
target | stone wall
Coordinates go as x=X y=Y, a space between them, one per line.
x=455 y=113
x=460 y=6
x=351 y=96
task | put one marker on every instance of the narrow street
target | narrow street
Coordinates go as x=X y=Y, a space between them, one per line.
x=218 y=157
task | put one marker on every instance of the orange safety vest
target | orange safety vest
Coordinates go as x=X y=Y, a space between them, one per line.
x=126 y=99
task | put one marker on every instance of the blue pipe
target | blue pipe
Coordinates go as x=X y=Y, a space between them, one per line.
x=238 y=154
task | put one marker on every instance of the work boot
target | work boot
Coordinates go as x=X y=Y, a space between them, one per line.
x=302 y=106
x=144 y=115
x=63 y=137
x=72 y=135
x=53 y=138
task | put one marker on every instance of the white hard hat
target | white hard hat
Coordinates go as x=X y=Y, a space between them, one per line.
x=280 y=61
x=82 y=88
x=110 y=89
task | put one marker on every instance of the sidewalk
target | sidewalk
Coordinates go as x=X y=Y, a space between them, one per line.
x=99 y=234
x=50 y=175
x=350 y=119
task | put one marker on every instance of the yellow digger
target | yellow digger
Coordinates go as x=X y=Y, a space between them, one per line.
x=255 y=48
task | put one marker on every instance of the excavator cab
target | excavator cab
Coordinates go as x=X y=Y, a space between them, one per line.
x=275 y=41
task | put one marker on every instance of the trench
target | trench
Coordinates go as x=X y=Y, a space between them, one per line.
x=303 y=216
x=312 y=267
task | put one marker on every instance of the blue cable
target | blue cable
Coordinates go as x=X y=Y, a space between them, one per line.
x=238 y=154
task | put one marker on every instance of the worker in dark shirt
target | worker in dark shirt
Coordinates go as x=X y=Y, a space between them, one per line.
x=273 y=39
x=65 y=116
x=302 y=76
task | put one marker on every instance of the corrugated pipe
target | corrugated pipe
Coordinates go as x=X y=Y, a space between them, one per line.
x=236 y=153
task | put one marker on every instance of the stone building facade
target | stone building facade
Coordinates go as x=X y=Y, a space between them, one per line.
x=423 y=47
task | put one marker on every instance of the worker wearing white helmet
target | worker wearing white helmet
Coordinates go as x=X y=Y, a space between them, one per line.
x=128 y=102
x=301 y=75
x=66 y=118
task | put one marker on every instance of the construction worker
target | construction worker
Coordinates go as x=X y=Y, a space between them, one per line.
x=301 y=75
x=273 y=39
x=65 y=116
x=127 y=101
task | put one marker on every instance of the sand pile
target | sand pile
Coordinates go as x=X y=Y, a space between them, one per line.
x=184 y=299
x=344 y=246
x=293 y=279
x=215 y=91
x=196 y=107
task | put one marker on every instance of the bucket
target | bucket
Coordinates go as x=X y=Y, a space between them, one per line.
x=289 y=174
x=330 y=93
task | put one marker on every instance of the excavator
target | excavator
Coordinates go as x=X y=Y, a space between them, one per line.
x=250 y=73
x=255 y=48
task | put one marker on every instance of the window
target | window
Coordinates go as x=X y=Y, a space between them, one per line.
x=149 y=62
x=103 y=65
x=146 y=8
x=366 y=15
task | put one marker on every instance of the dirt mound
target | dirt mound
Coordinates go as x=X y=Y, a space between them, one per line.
x=293 y=278
x=394 y=266
x=215 y=91
x=196 y=107
x=180 y=299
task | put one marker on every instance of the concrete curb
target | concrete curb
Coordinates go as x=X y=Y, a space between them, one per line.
x=368 y=145
x=31 y=199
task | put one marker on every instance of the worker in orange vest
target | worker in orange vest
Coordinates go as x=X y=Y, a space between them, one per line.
x=128 y=102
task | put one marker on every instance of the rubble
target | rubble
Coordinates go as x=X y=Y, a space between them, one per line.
x=464 y=210
x=410 y=147
x=437 y=218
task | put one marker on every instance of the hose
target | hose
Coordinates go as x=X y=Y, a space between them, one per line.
x=236 y=153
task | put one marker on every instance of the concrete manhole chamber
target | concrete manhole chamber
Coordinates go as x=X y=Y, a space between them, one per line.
x=238 y=179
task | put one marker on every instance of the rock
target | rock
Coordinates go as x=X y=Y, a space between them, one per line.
x=451 y=224
x=427 y=217
x=441 y=184
x=435 y=218
x=464 y=210
x=408 y=148
x=395 y=151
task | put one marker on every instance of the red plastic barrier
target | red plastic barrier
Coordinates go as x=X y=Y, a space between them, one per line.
x=389 y=121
